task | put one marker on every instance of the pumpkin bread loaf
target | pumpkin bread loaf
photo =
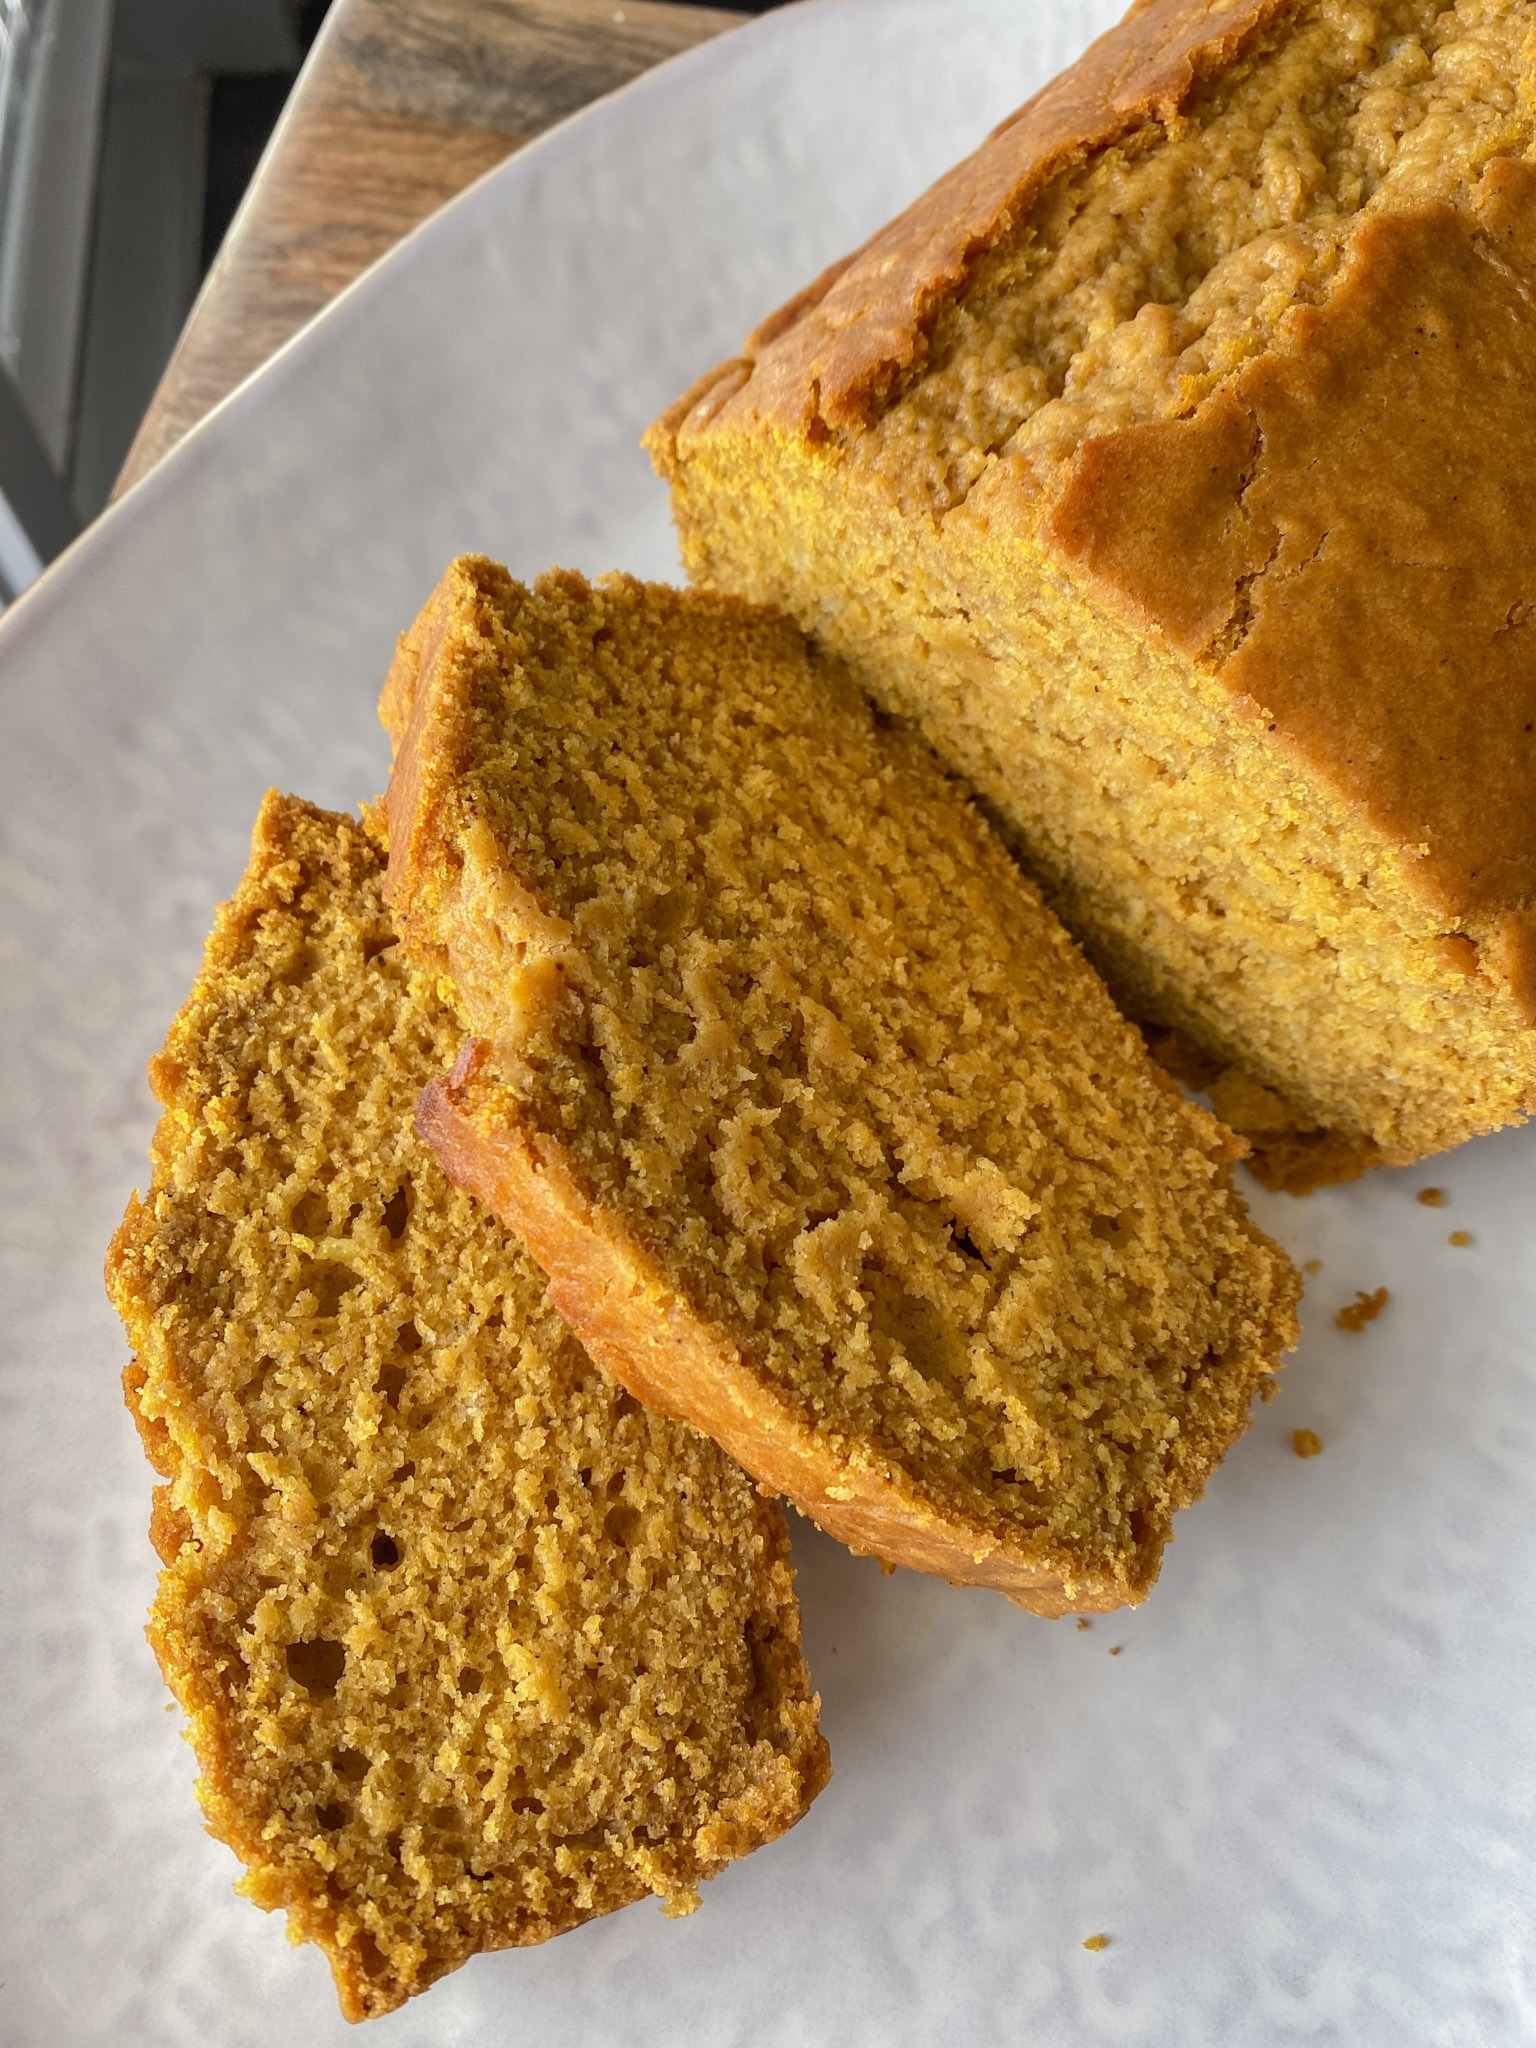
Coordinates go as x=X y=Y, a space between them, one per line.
x=471 y=1645
x=1172 y=464
x=824 y=1131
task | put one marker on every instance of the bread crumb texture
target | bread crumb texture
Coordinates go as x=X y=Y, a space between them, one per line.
x=760 y=982
x=472 y=1647
x=1113 y=464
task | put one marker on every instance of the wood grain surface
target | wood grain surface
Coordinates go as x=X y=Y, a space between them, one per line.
x=401 y=104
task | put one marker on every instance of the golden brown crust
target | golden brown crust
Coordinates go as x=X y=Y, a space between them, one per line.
x=635 y=1325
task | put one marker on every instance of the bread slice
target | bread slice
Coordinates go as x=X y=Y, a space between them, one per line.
x=1172 y=463
x=471 y=1646
x=826 y=1135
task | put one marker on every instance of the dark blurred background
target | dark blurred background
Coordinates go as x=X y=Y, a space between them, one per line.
x=129 y=130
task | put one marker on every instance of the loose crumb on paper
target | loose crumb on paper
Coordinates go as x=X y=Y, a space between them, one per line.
x=1115 y=1649
x=1306 y=1443
x=1365 y=1308
x=1432 y=1198
x=1459 y=1238
x=1095 y=1942
x=1313 y=1266
x=1082 y=1623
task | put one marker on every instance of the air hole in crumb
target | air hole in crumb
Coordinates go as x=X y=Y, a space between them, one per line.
x=621 y=1524
x=391 y=1383
x=369 y=1954
x=408 y=1339
x=616 y=1483
x=470 y=1681
x=394 y=1843
x=396 y=1210
x=967 y=1246
x=329 y=1282
x=331 y=1816
x=527 y=1805
x=384 y=1551
x=372 y=948
x=1110 y=1230
x=311 y=1214
x=585 y=1475
x=351 y=1766
x=405 y=1471
x=762 y=1663
x=625 y=1404
x=551 y=1501
x=587 y=1839
x=931 y=1343
x=317 y=1665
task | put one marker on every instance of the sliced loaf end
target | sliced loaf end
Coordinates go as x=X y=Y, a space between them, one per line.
x=472 y=1647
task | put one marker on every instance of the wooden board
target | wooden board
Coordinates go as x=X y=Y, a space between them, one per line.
x=401 y=104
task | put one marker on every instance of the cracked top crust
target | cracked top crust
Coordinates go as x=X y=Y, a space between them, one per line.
x=1325 y=502
x=1343 y=534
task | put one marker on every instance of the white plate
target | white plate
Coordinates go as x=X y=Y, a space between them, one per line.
x=1300 y=1802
